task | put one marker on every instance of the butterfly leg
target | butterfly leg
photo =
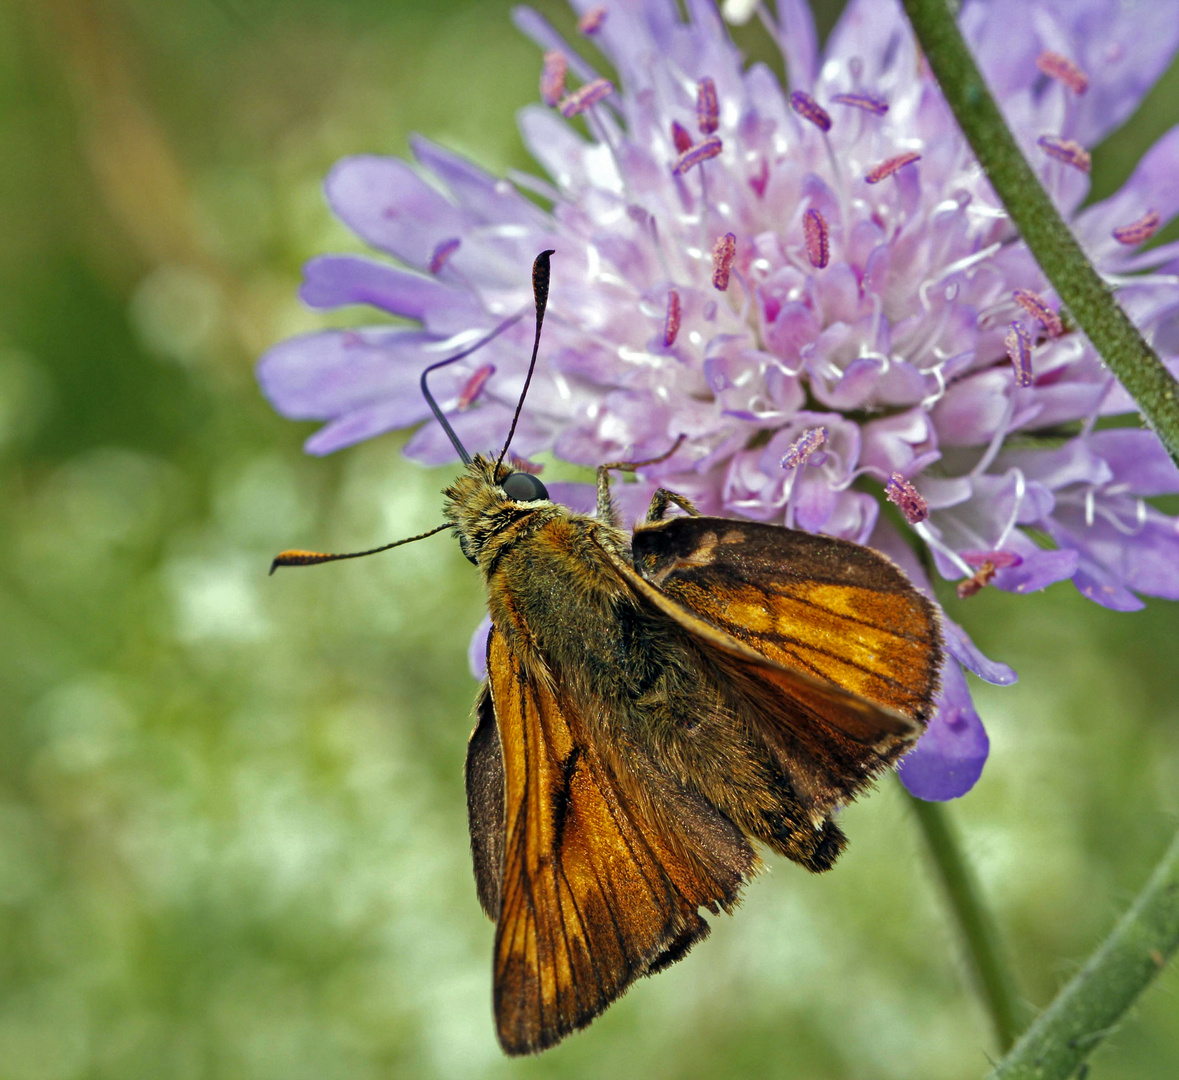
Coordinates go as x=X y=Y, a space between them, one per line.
x=606 y=511
x=662 y=499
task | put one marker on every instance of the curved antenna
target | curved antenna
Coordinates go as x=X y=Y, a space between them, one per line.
x=438 y=413
x=295 y=557
x=540 y=290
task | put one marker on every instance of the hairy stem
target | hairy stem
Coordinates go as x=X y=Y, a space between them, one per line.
x=1084 y=1012
x=1079 y=286
x=975 y=925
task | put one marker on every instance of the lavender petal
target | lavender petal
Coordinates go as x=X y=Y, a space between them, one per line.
x=332 y=281
x=391 y=207
x=949 y=758
x=477 y=649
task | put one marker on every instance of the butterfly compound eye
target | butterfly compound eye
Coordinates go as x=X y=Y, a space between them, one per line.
x=523 y=487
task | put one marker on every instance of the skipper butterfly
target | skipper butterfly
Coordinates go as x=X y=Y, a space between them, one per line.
x=655 y=704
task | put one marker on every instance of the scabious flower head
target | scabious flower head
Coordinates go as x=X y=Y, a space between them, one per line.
x=874 y=292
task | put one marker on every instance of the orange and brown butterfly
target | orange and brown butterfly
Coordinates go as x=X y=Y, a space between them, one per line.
x=657 y=703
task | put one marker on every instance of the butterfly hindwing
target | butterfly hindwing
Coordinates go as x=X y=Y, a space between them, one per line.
x=592 y=896
x=485 y=804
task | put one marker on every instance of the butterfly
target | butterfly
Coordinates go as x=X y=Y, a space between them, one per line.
x=657 y=703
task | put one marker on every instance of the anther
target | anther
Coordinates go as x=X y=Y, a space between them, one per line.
x=591 y=21
x=442 y=254
x=1063 y=70
x=696 y=155
x=681 y=137
x=977 y=581
x=891 y=165
x=1069 y=151
x=1039 y=310
x=814 y=229
x=585 y=97
x=1138 y=232
x=903 y=494
x=707 y=107
x=475 y=384
x=1019 y=349
x=671 y=322
x=809 y=109
x=552 y=77
x=800 y=451
x=860 y=100
x=723 y=253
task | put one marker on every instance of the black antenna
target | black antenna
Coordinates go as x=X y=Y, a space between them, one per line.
x=450 y=360
x=295 y=557
x=540 y=290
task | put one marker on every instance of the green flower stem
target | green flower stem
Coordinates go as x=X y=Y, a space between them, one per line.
x=1079 y=286
x=974 y=922
x=1067 y=1032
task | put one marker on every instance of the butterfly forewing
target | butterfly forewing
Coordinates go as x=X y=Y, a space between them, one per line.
x=592 y=896
x=835 y=610
x=834 y=651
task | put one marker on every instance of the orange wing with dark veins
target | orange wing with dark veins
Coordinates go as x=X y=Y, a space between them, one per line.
x=592 y=896
x=837 y=652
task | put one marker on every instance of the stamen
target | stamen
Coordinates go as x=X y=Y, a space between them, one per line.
x=809 y=109
x=903 y=494
x=696 y=155
x=552 y=77
x=935 y=543
x=585 y=97
x=1063 y=70
x=977 y=581
x=886 y=168
x=591 y=21
x=475 y=383
x=671 y=322
x=681 y=137
x=723 y=253
x=799 y=451
x=818 y=248
x=860 y=100
x=1019 y=349
x=1036 y=307
x=1138 y=232
x=1069 y=151
x=442 y=254
x=707 y=106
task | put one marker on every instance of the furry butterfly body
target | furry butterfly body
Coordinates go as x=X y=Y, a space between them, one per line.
x=656 y=704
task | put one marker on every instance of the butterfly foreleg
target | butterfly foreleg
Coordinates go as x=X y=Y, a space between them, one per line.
x=664 y=498
x=606 y=511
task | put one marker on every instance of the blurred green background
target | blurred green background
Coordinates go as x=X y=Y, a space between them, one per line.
x=232 y=825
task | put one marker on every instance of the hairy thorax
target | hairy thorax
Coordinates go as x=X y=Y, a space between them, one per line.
x=649 y=696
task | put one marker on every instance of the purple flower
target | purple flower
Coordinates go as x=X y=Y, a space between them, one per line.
x=874 y=289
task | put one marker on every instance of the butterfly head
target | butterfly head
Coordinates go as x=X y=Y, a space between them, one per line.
x=486 y=500
x=482 y=503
